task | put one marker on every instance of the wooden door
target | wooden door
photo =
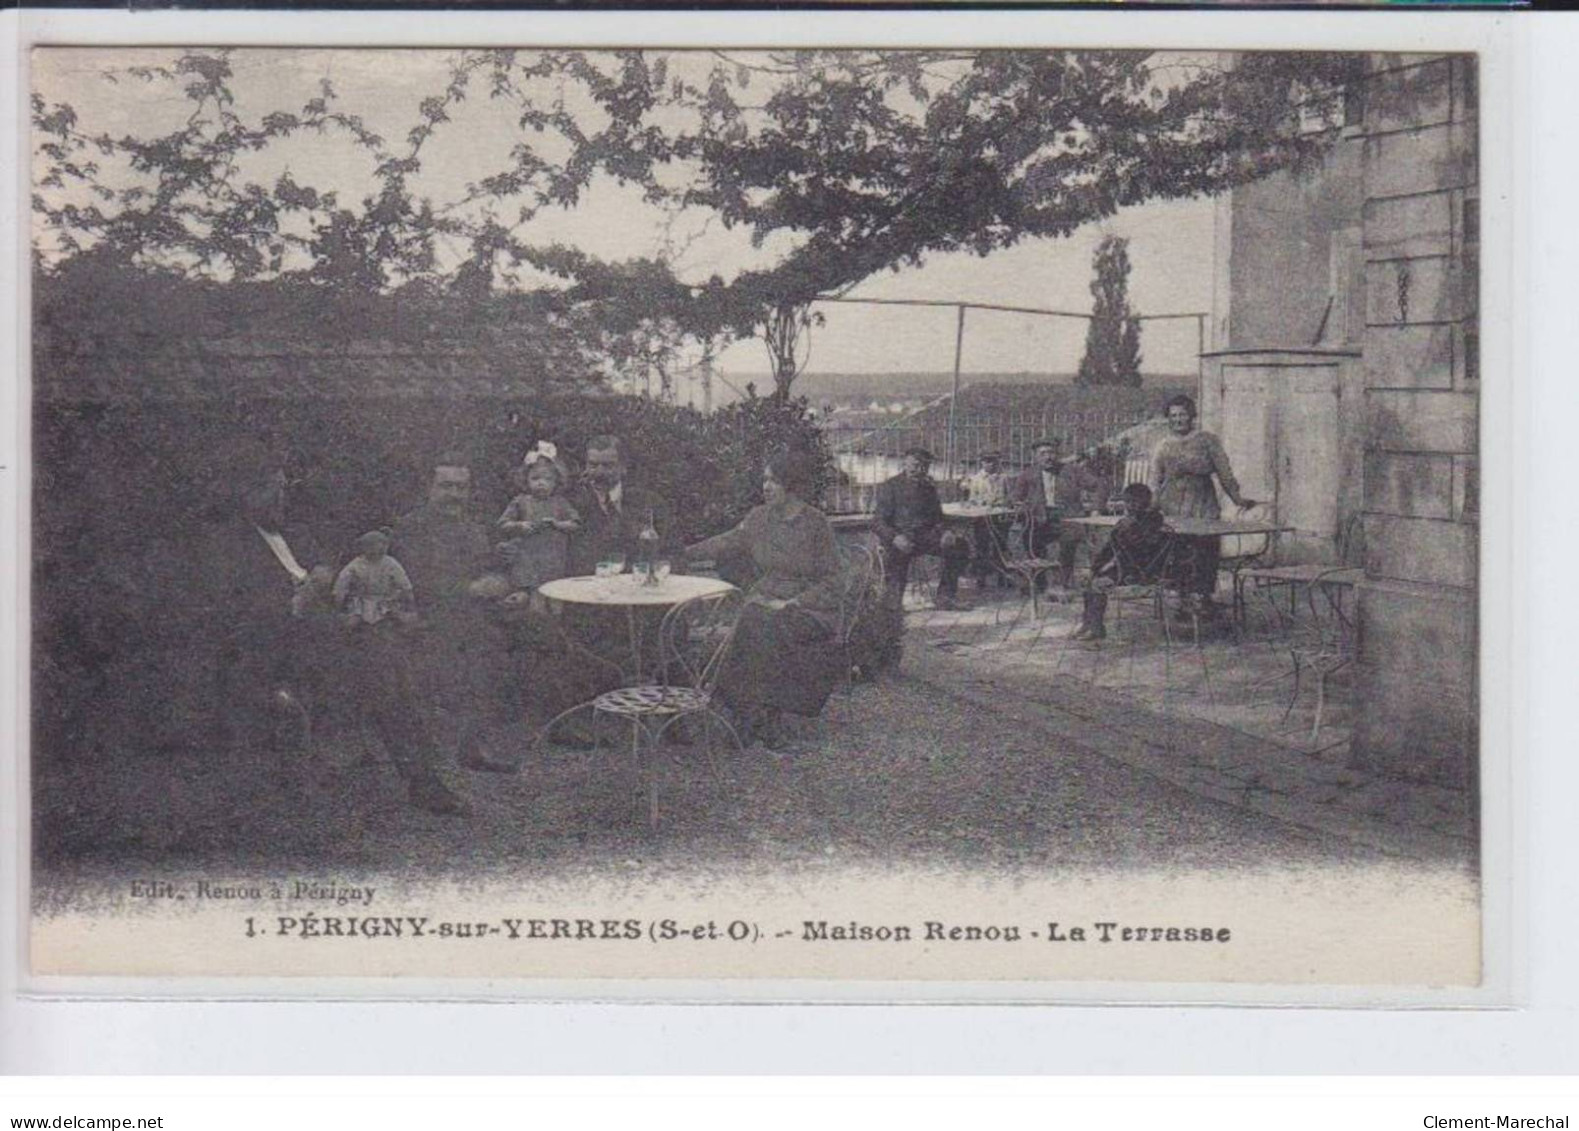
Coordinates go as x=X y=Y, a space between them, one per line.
x=1246 y=429
x=1307 y=457
x=1279 y=426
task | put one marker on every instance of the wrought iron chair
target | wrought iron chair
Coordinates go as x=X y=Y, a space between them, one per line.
x=926 y=573
x=1292 y=577
x=694 y=640
x=1319 y=639
x=863 y=614
x=1241 y=553
x=922 y=580
x=1153 y=592
x=1027 y=570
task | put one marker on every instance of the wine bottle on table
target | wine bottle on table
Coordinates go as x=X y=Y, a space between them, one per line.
x=647 y=552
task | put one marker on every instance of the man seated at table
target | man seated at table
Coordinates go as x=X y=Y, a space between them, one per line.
x=909 y=523
x=614 y=510
x=987 y=486
x=1139 y=551
x=460 y=660
x=1046 y=492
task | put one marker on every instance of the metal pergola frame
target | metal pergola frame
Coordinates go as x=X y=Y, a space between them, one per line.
x=959 y=336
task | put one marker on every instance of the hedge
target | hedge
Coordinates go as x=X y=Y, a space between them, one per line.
x=117 y=487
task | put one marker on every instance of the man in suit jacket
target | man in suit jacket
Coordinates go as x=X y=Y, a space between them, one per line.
x=614 y=509
x=1047 y=492
x=908 y=522
x=263 y=602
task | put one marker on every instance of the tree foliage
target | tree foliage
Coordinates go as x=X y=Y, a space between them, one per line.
x=1112 y=354
x=843 y=163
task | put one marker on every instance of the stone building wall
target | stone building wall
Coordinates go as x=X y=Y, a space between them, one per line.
x=1282 y=385
x=1366 y=269
x=1293 y=246
x=1417 y=713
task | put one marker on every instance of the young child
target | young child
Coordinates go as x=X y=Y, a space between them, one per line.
x=374 y=585
x=1140 y=550
x=539 y=521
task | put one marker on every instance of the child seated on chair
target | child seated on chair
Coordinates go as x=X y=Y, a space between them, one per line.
x=1137 y=553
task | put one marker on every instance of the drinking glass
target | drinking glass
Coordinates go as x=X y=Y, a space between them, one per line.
x=660 y=570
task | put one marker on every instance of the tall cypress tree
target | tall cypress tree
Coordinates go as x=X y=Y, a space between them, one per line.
x=1113 y=335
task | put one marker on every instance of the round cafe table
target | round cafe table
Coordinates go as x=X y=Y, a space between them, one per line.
x=641 y=705
x=627 y=591
x=1240 y=528
x=988 y=534
x=974 y=511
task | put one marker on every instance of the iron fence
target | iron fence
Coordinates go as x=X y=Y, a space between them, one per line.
x=868 y=451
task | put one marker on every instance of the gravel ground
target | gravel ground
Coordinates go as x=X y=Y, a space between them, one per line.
x=898 y=772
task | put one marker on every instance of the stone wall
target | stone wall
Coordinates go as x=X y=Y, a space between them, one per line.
x=1291 y=246
x=1417 y=696
x=1282 y=385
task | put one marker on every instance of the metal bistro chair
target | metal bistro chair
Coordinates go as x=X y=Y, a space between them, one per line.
x=1293 y=576
x=865 y=618
x=1027 y=569
x=1320 y=640
x=1241 y=553
x=694 y=639
x=1153 y=594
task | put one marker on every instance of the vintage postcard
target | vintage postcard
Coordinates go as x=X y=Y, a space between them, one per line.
x=831 y=522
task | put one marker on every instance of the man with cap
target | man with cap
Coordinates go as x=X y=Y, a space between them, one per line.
x=1044 y=493
x=908 y=522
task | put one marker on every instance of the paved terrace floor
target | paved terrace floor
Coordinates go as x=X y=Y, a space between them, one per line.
x=1223 y=720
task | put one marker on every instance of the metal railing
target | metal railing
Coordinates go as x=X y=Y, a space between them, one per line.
x=952 y=453
x=872 y=450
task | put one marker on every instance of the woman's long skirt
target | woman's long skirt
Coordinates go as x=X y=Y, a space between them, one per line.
x=780 y=659
x=1198 y=568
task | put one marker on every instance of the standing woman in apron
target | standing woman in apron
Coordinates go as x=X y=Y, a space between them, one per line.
x=1182 y=469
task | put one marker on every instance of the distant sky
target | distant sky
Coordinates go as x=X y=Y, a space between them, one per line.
x=1171 y=272
x=1170 y=244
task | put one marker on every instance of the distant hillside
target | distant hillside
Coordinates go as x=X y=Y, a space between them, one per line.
x=899 y=386
x=1004 y=417
x=1023 y=399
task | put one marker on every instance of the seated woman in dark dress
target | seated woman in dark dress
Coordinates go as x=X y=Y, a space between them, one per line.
x=782 y=659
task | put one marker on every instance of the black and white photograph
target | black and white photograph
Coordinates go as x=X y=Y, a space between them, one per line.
x=860 y=516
